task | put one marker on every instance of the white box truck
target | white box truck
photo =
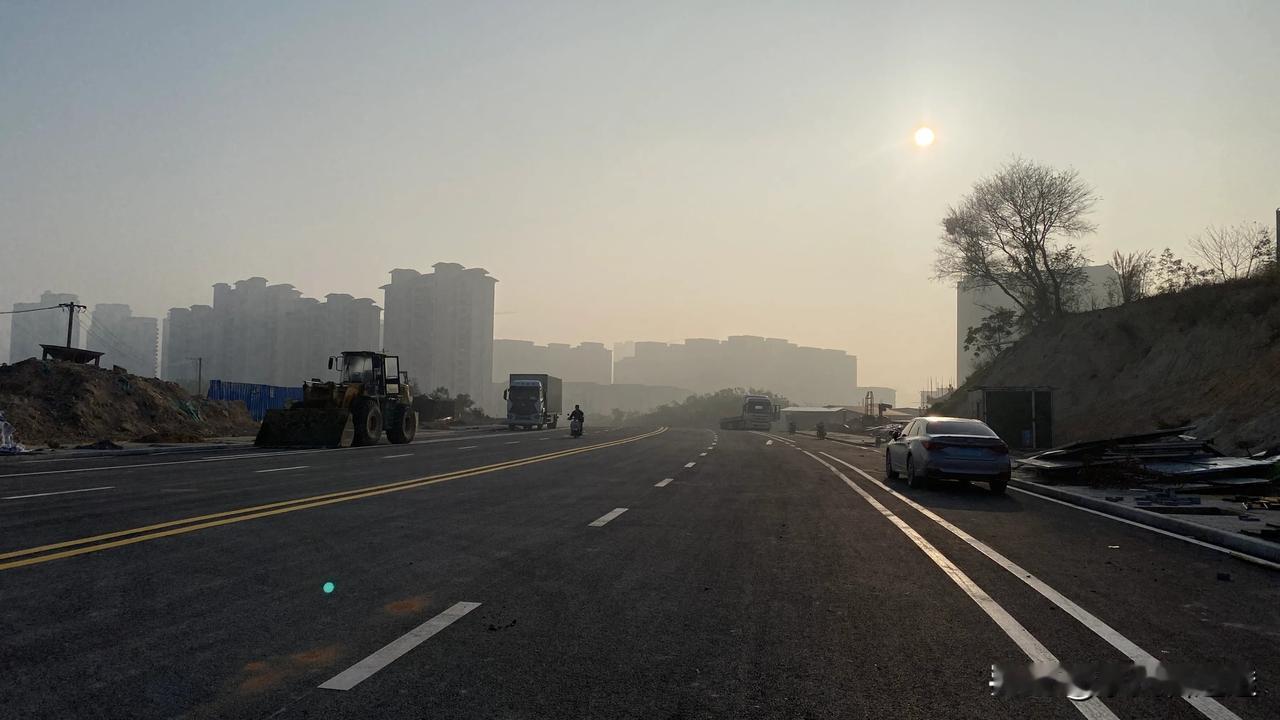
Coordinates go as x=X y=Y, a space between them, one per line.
x=533 y=400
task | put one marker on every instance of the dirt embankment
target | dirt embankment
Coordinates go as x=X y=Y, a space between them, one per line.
x=64 y=404
x=1208 y=357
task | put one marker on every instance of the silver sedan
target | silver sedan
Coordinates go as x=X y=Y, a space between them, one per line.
x=944 y=447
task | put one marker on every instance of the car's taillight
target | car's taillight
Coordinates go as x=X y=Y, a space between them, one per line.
x=1000 y=449
x=932 y=445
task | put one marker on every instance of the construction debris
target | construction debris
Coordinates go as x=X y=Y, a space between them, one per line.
x=9 y=444
x=1165 y=456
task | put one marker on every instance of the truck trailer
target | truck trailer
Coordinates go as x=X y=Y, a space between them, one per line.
x=533 y=400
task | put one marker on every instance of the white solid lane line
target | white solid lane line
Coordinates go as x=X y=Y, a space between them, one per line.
x=295 y=467
x=512 y=442
x=689 y=465
x=468 y=447
x=60 y=492
x=664 y=482
x=1091 y=708
x=388 y=457
x=605 y=518
x=362 y=670
x=1208 y=706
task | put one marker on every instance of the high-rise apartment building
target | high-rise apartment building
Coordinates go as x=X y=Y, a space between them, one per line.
x=29 y=329
x=441 y=325
x=123 y=339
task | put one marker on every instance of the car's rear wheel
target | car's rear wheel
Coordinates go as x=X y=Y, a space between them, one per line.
x=999 y=483
x=889 y=472
x=913 y=479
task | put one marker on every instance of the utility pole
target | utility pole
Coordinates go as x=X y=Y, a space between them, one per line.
x=1278 y=236
x=72 y=307
x=199 y=374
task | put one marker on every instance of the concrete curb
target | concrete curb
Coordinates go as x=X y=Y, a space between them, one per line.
x=1222 y=538
x=842 y=442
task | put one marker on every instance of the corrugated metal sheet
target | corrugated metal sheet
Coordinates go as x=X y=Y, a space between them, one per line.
x=258 y=398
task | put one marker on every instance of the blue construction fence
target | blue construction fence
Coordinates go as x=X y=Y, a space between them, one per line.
x=258 y=398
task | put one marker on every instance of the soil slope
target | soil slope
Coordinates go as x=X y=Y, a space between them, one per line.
x=1208 y=357
x=65 y=403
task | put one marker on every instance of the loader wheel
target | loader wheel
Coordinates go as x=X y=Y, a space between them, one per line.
x=402 y=425
x=368 y=422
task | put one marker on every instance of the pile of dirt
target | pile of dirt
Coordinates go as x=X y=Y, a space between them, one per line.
x=1208 y=357
x=65 y=404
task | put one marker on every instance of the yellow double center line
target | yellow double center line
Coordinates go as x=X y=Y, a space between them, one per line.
x=120 y=538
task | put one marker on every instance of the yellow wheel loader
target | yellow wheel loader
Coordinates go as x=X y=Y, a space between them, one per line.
x=370 y=396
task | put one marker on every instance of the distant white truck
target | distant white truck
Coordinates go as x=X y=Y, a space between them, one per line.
x=533 y=400
x=758 y=413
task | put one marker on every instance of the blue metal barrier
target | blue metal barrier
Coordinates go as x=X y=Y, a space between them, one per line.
x=258 y=398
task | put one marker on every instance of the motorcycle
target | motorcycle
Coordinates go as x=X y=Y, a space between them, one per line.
x=791 y=428
x=822 y=431
x=575 y=428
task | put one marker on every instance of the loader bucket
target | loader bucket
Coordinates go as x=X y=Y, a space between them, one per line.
x=306 y=427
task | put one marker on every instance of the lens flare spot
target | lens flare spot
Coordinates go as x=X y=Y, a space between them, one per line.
x=328 y=587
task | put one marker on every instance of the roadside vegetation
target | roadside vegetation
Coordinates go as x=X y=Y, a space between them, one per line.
x=704 y=410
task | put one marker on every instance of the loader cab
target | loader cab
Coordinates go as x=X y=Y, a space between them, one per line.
x=380 y=374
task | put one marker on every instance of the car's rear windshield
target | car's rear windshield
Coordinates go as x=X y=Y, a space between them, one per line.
x=958 y=427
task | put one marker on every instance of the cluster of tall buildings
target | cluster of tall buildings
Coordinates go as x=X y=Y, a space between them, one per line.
x=269 y=334
x=698 y=365
x=440 y=323
x=124 y=339
x=805 y=375
x=588 y=362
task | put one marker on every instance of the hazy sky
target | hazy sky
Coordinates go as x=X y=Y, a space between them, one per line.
x=641 y=170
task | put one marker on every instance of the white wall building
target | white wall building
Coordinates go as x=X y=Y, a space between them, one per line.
x=972 y=305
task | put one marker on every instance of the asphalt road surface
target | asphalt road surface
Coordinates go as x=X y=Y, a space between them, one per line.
x=631 y=573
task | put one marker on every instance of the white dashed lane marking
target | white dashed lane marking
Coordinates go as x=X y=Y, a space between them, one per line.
x=604 y=519
x=364 y=669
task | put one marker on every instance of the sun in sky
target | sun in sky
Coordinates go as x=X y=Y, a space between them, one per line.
x=924 y=137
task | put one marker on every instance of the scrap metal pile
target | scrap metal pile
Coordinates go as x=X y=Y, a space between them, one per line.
x=1167 y=456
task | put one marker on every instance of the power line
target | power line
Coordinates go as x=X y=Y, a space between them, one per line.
x=117 y=346
x=15 y=312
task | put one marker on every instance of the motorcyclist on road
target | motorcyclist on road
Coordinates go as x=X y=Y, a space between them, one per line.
x=578 y=415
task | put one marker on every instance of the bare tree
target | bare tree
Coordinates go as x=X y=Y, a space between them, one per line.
x=1235 y=251
x=1133 y=276
x=1013 y=232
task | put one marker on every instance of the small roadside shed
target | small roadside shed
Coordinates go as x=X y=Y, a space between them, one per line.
x=1022 y=416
